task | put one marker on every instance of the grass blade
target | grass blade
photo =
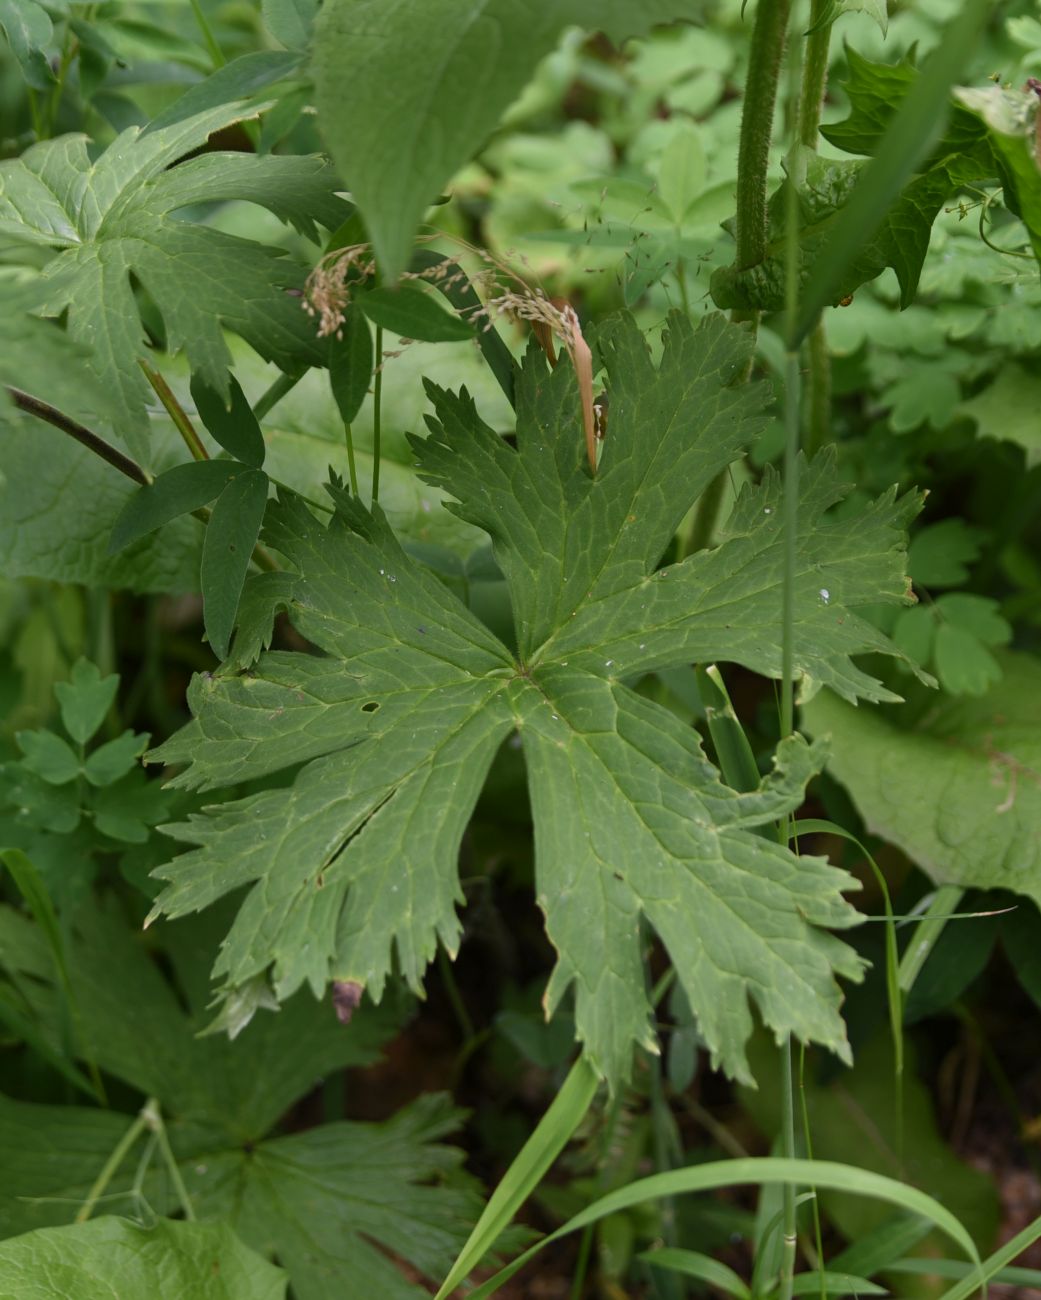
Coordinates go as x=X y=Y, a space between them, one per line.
x=691 y=1263
x=762 y=1170
x=523 y=1176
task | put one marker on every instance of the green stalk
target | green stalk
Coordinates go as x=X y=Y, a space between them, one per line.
x=111 y=1166
x=273 y=395
x=175 y=411
x=377 y=408
x=753 y=161
x=757 y=121
x=89 y=439
x=811 y=101
x=213 y=49
x=154 y=1119
x=349 y=436
x=790 y=506
x=814 y=73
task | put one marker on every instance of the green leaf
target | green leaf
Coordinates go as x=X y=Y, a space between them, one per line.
x=113 y=220
x=681 y=173
x=290 y=21
x=38 y=357
x=413 y=314
x=49 y=756
x=29 y=32
x=40 y=537
x=950 y=781
x=963 y=665
x=1006 y=409
x=437 y=77
x=231 y=421
x=350 y=364
x=1010 y=117
x=85 y=699
x=239 y=79
x=198 y=1260
x=114 y=759
x=177 y=492
x=402 y=717
x=330 y=1202
x=231 y=535
x=939 y=554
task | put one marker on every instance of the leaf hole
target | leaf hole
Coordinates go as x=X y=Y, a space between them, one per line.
x=371 y=707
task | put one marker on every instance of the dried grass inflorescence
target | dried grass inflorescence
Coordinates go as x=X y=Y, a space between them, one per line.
x=505 y=295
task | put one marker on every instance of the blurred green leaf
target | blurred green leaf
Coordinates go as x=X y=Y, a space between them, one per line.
x=85 y=699
x=49 y=756
x=114 y=759
x=29 y=32
x=1007 y=408
x=196 y=1261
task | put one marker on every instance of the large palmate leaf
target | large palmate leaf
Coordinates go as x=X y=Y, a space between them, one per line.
x=114 y=220
x=400 y=720
x=437 y=76
x=202 y=1261
x=318 y=1199
x=955 y=783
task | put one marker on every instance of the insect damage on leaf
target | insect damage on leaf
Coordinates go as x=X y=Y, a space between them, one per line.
x=353 y=868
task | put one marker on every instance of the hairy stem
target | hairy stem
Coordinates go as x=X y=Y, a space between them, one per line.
x=814 y=74
x=811 y=101
x=757 y=120
x=51 y=414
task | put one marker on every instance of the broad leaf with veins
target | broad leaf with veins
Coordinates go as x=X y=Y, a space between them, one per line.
x=399 y=721
x=113 y=219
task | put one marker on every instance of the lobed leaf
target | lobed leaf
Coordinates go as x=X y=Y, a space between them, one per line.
x=353 y=868
x=112 y=220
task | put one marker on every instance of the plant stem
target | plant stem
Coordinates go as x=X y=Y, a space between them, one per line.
x=154 y=1119
x=811 y=101
x=818 y=391
x=377 y=408
x=814 y=74
x=51 y=414
x=274 y=394
x=790 y=506
x=790 y=1238
x=215 y=52
x=706 y=512
x=348 y=434
x=175 y=411
x=111 y=1166
x=757 y=119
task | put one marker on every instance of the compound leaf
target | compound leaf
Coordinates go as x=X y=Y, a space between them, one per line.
x=437 y=76
x=398 y=723
x=113 y=221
